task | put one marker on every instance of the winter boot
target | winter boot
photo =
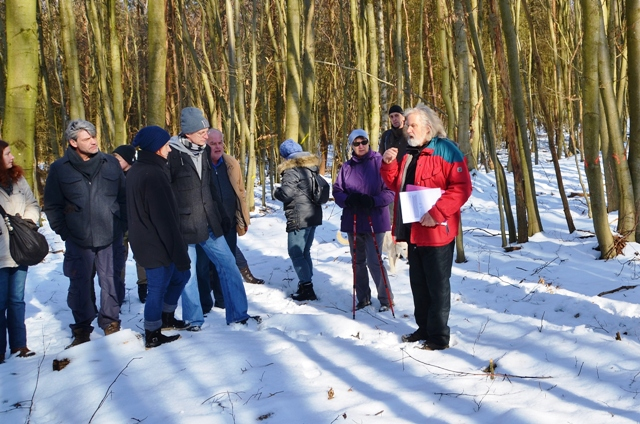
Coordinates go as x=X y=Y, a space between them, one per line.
x=1 y=358
x=80 y=335
x=169 y=322
x=142 y=292
x=155 y=338
x=305 y=292
x=23 y=352
x=248 y=277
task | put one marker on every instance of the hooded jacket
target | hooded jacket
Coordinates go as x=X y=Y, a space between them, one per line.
x=91 y=211
x=439 y=165
x=295 y=191
x=193 y=191
x=362 y=175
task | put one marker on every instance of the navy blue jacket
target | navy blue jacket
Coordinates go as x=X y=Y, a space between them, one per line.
x=89 y=212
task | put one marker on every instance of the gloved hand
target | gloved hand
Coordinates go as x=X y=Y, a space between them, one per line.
x=366 y=202
x=225 y=224
x=352 y=200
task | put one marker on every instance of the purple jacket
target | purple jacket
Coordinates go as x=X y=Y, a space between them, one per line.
x=362 y=175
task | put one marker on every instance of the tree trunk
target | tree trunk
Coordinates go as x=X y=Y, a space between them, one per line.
x=626 y=213
x=117 y=95
x=22 y=84
x=510 y=37
x=293 y=90
x=591 y=13
x=374 y=88
x=307 y=102
x=157 y=63
x=72 y=67
x=633 y=50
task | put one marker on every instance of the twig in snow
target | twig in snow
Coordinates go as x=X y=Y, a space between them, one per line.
x=541 y=322
x=104 y=398
x=617 y=290
x=482 y=328
x=580 y=371
x=465 y=373
x=33 y=395
x=541 y=267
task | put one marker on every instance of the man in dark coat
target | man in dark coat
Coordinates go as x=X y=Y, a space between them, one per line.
x=84 y=199
x=394 y=136
x=154 y=233
x=201 y=220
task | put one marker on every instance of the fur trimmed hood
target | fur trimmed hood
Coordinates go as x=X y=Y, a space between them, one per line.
x=306 y=161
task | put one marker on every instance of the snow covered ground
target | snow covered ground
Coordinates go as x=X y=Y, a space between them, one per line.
x=534 y=312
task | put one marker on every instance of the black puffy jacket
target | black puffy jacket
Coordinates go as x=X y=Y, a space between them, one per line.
x=295 y=192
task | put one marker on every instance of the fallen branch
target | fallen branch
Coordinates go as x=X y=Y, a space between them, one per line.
x=465 y=373
x=617 y=290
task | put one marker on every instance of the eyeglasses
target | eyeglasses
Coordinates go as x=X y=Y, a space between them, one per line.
x=357 y=143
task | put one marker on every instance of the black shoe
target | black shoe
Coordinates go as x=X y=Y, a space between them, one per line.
x=80 y=335
x=218 y=305
x=363 y=304
x=305 y=292
x=156 y=338
x=1 y=358
x=430 y=346
x=169 y=322
x=193 y=328
x=255 y=317
x=142 y=292
x=248 y=277
x=413 y=337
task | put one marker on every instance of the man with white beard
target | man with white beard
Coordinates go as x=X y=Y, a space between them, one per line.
x=431 y=161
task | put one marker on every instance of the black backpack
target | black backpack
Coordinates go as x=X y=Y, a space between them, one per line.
x=319 y=189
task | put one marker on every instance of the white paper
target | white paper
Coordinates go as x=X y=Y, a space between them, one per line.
x=416 y=203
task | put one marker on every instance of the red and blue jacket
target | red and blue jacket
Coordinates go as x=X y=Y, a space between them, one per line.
x=439 y=165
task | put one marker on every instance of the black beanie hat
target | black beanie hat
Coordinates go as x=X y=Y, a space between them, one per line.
x=395 y=108
x=151 y=138
x=126 y=152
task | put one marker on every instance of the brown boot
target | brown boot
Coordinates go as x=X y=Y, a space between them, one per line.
x=248 y=277
x=23 y=352
x=114 y=327
x=80 y=335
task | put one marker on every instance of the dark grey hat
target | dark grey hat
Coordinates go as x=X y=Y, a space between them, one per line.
x=192 y=120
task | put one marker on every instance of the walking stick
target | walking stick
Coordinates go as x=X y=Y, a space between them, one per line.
x=353 y=265
x=384 y=275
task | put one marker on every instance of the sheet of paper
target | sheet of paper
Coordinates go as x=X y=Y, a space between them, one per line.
x=417 y=202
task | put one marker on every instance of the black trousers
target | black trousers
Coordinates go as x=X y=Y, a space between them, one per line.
x=429 y=274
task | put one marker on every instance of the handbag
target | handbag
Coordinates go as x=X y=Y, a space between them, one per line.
x=26 y=245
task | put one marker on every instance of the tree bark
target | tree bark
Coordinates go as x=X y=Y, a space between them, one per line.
x=157 y=63
x=633 y=50
x=72 y=67
x=22 y=84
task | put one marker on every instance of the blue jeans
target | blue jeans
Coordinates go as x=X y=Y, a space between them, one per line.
x=12 y=307
x=164 y=286
x=235 y=298
x=299 y=243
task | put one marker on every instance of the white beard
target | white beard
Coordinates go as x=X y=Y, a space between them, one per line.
x=414 y=142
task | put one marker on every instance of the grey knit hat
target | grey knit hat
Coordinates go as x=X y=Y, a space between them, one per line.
x=357 y=133
x=192 y=120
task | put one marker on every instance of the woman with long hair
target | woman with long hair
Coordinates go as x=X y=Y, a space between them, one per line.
x=16 y=198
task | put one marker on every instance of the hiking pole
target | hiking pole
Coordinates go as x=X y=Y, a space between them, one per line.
x=384 y=274
x=353 y=265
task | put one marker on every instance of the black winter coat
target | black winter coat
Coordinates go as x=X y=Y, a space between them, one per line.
x=393 y=137
x=154 y=223
x=295 y=192
x=196 y=206
x=91 y=213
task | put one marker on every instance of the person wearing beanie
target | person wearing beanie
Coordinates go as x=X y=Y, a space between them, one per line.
x=126 y=155
x=297 y=175
x=394 y=136
x=85 y=203
x=363 y=197
x=154 y=233
x=204 y=221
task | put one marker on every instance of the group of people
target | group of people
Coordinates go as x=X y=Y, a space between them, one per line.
x=184 y=205
x=413 y=154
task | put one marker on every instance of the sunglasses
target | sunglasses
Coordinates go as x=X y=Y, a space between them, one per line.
x=357 y=143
